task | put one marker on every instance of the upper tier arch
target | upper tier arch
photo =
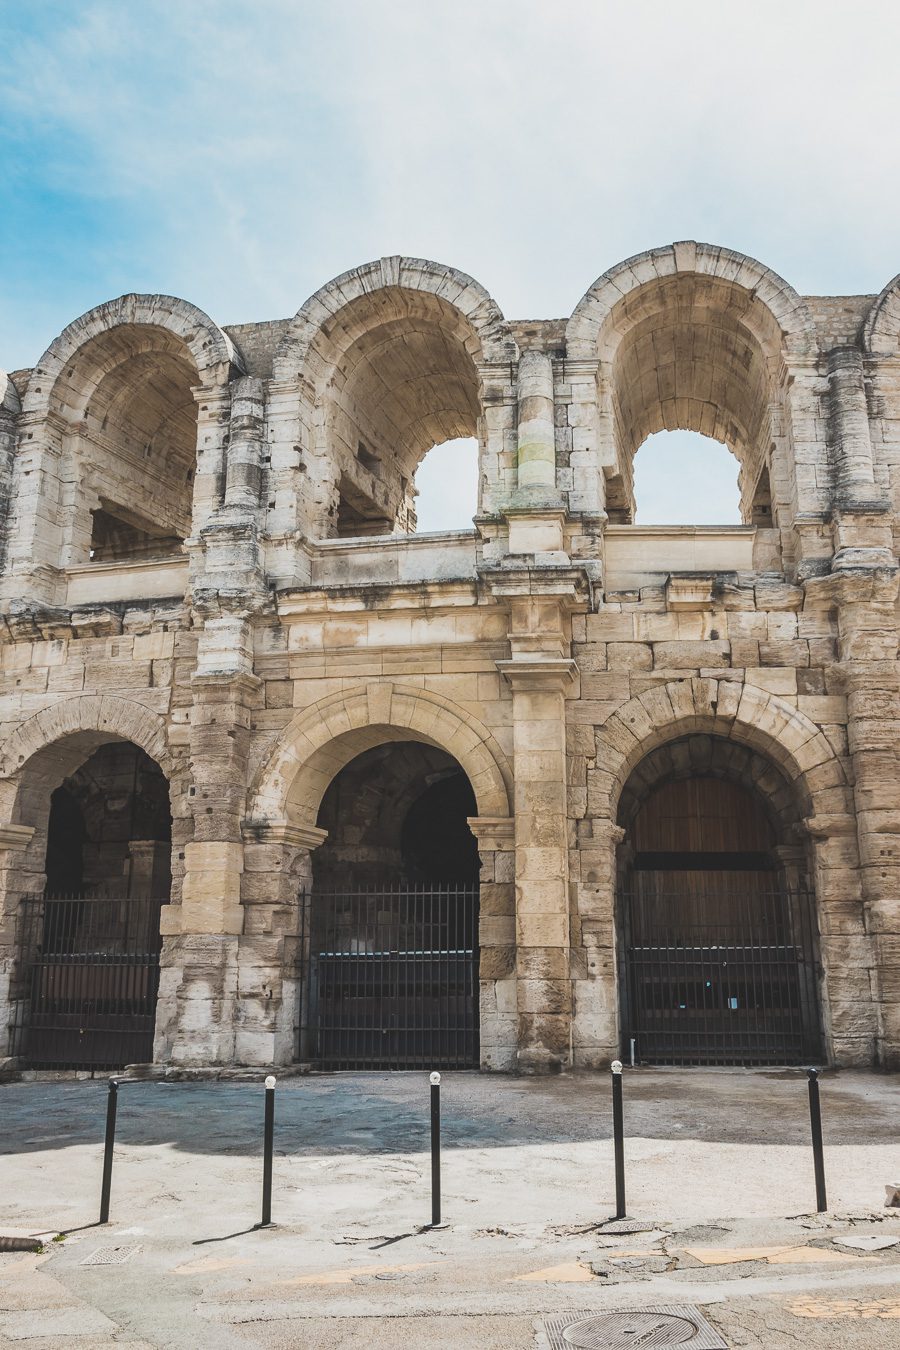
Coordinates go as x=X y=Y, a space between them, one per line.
x=759 y=294
x=333 y=313
x=881 y=330
x=211 y=351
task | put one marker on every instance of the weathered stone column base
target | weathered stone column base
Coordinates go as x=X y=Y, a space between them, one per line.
x=198 y=987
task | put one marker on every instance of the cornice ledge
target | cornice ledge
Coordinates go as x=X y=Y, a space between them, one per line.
x=282 y=832
x=548 y=672
x=490 y=828
x=16 y=836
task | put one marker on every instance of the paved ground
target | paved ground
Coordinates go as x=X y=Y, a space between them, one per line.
x=719 y=1171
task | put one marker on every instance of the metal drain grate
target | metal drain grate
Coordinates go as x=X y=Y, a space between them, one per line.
x=654 y=1328
x=110 y=1256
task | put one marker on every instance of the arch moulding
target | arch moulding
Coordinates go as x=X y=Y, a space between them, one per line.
x=761 y=285
x=320 y=313
x=211 y=350
x=319 y=741
x=881 y=330
x=106 y=715
x=740 y=712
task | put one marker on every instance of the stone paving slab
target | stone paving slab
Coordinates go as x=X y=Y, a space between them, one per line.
x=528 y=1191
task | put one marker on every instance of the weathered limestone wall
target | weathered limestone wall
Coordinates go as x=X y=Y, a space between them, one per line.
x=547 y=652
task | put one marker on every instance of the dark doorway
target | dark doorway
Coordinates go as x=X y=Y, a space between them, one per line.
x=717 y=937
x=91 y=942
x=390 y=969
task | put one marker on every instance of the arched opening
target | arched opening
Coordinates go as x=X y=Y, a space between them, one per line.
x=685 y=478
x=89 y=938
x=391 y=972
x=127 y=396
x=446 y=486
x=691 y=353
x=398 y=378
x=718 y=945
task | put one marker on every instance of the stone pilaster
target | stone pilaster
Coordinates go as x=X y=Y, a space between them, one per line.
x=497 y=940
x=595 y=1029
x=15 y=883
x=275 y=893
x=544 y=986
x=866 y=609
x=862 y=525
x=199 y=979
x=536 y=447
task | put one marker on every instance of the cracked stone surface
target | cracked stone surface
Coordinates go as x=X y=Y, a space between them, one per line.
x=349 y=1264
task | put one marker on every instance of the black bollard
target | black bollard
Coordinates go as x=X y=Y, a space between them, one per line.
x=112 y=1102
x=268 y=1150
x=618 y=1136
x=435 y=1081
x=815 y=1124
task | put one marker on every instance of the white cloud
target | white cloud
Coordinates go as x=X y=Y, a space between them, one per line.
x=259 y=150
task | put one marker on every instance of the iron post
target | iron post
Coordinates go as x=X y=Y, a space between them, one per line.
x=435 y=1081
x=268 y=1151
x=815 y=1123
x=112 y=1102
x=618 y=1136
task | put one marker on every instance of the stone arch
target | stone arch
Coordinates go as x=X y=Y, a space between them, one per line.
x=693 y=338
x=9 y=395
x=211 y=350
x=85 y=720
x=758 y=292
x=881 y=329
x=741 y=712
x=381 y=365
x=319 y=741
x=326 y=312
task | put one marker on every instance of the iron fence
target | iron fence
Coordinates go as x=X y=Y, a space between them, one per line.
x=389 y=978
x=738 y=992
x=89 y=977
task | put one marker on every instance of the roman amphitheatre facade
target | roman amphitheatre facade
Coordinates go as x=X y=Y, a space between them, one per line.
x=284 y=782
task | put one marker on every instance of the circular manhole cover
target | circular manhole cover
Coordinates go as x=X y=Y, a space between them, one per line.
x=618 y=1331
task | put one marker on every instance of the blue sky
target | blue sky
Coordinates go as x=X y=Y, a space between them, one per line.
x=240 y=155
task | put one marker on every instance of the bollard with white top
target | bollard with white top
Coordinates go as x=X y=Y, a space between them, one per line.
x=435 y=1081
x=268 y=1151
x=618 y=1136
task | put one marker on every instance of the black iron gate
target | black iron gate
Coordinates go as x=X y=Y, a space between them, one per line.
x=743 y=992
x=87 y=996
x=389 y=978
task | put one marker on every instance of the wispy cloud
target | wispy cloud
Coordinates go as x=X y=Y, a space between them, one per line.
x=242 y=155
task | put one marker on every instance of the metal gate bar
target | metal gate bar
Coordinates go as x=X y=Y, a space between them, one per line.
x=389 y=978
x=90 y=977
x=742 y=992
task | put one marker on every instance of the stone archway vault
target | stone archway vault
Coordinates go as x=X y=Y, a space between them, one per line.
x=328 y=734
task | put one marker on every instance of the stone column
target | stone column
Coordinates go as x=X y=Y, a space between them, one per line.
x=14 y=884
x=497 y=940
x=537 y=449
x=35 y=535
x=9 y=411
x=148 y=866
x=213 y=414
x=275 y=892
x=226 y=552
x=199 y=980
x=544 y=987
x=243 y=472
x=850 y=1011
x=862 y=526
x=868 y=636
